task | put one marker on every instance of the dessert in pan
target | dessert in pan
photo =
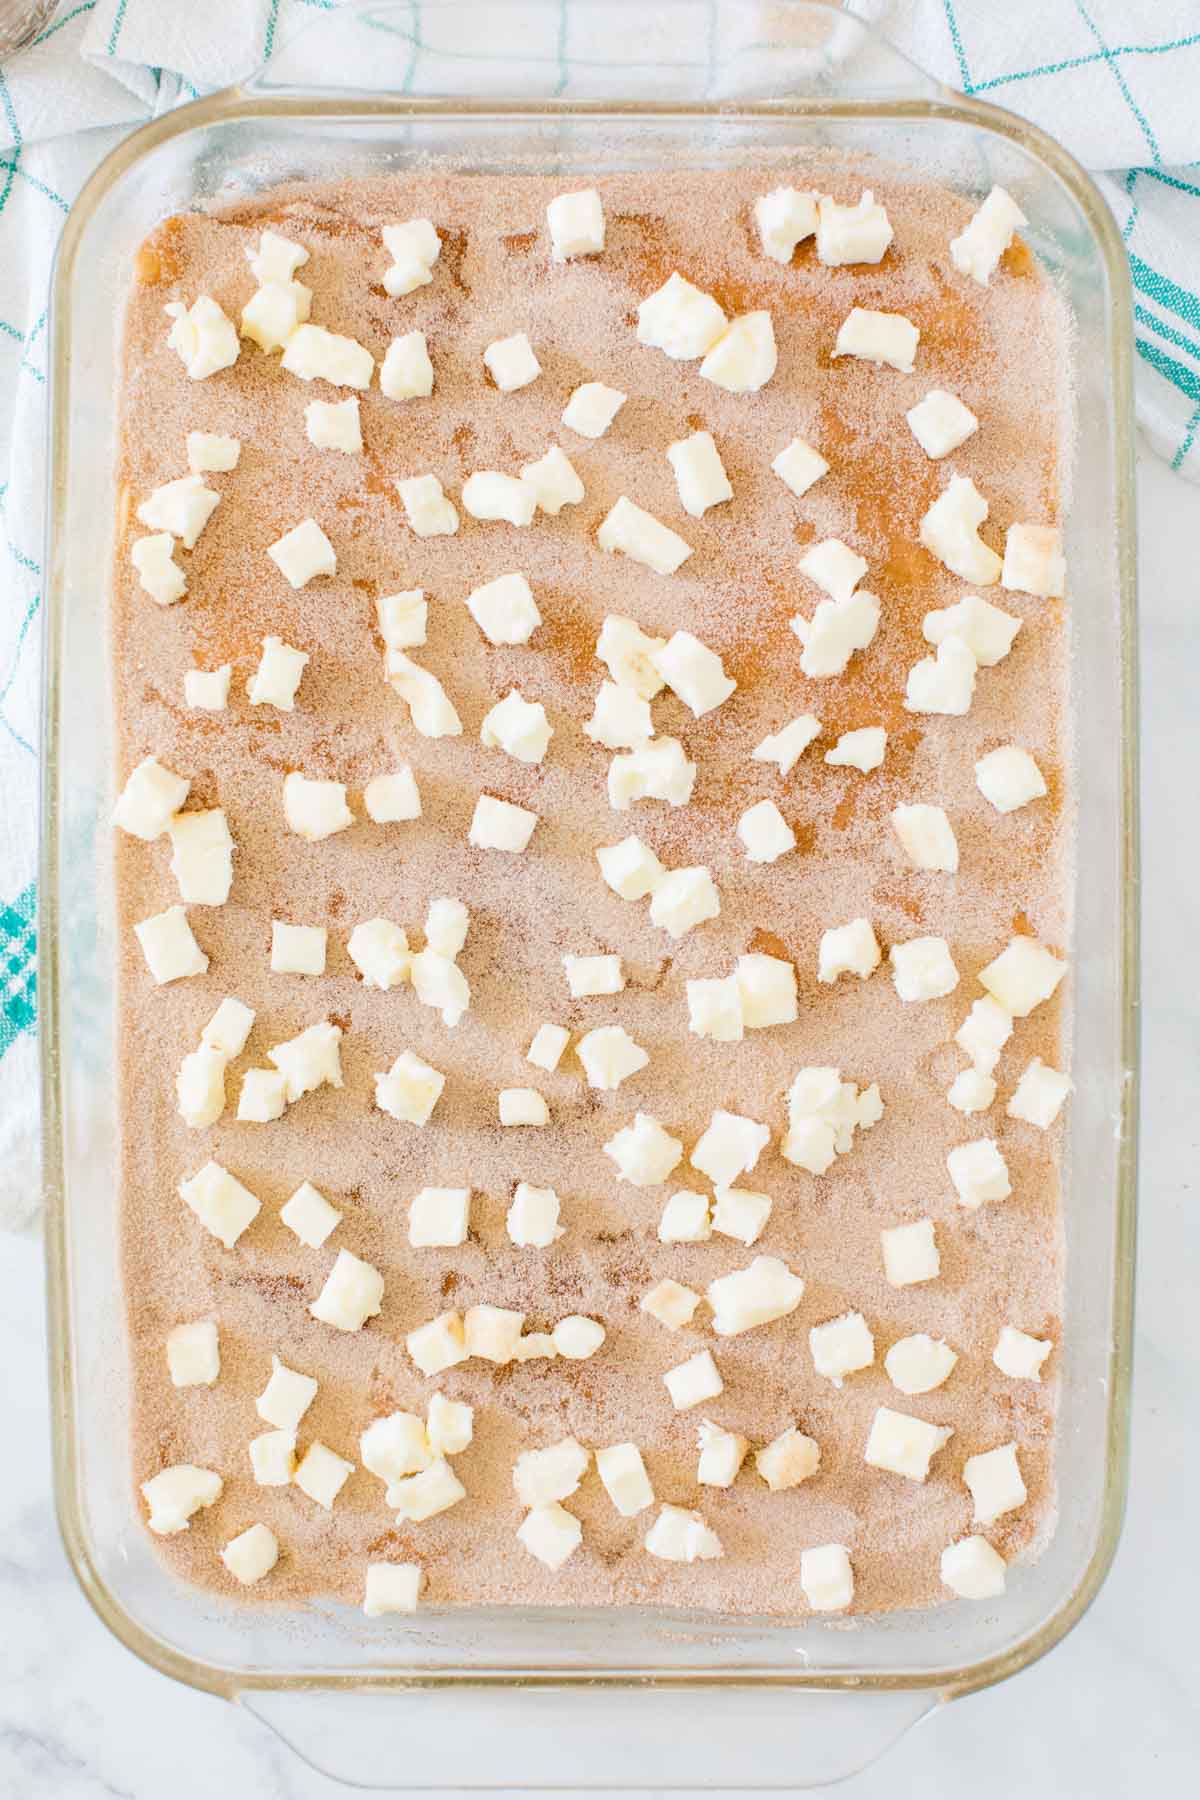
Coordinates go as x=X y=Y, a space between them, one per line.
x=594 y=880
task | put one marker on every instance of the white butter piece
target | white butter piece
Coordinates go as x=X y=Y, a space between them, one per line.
x=286 y=1397
x=263 y=1096
x=863 y=749
x=391 y=1588
x=744 y=358
x=352 y=1294
x=489 y=495
x=918 y=1364
x=303 y=553
x=169 y=947
x=680 y=319
x=312 y=353
x=419 y=1497
x=1039 y=1095
x=910 y=1253
x=950 y=531
x=623 y=1473
x=492 y=1332
x=979 y=1172
x=194 y=1354
x=888 y=340
x=414 y=247
x=403 y=619
x=1020 y=1356
x=274 y=312
x=837 y=629
x=207 y=690
x=799 y=466
x=429 y=511
x=994 y=1482
x=944 y=683
x=511 y=362
x=1022 y=976
x=630 y=868
x=658 y=770
x=644 y=1153
x=429 y=706
x=827 y=1577
x=228 y=1029
x=610 y=1056
x=972 y=1091
x=699 y=473
x=202 y=856
x=641 y=537
x=151 y=796
x=315 y=809
x=672 y=1304
x=212 y=452
x=554 y=481
x=972 y=1569
x=541 y=1476
x=683 y=899
x=176 y=1494
x=903 y=1444
x=1033 y=561
x=439 y=1345
x=273 y=1458
x=730 y=1146
x=517 y=726
x=505 y=610
x=628 y=653
x=276 y=259
x=722 y=1454
x=576 y=224
x=765 y=833
x=693 y=1381
x=765 y=1291
x=439 y=1217
x=410 y=1090
x=220 y=1202
x=550 y=1533
x=322 y=1474
x=788 y=1459
x=926 y=836
x=785 y=217
x=450 y=1425
x=532 y=1220
x=446 y=925
x=739 y=1213
x=309 y=1060
x=547 y=1045
x=181 y=507
x=841 y=1347
x=588 y=975
x=379 y=951
x=923 y=969
x=499 y=825
x=941 y=423
x=441 y=985
x=1009 y=778
x=986 y=630
x=852 y=234
x=158 y=574
x=202 y=337
x=406 y=372
x=592 y=408
x=767 y=985
x=984 y=1033
x=678 y=1535
x=390 y=799
x=577 y=1337
x=334 y=425
x=693 y=672
x=278 y=675
x=310 y=1216
x=522 y=1106
x=978 y=248
x=824 y=1112
x=297 y=949
x=851 y=949
x=715 y=1010
x=685 y=1219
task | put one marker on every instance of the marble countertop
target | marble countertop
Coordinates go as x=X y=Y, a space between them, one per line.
x=1112 y=1710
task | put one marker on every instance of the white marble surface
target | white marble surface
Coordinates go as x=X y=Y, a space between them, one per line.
x=1113 y=1711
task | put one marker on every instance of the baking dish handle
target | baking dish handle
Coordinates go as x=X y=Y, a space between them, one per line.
x=724 y=50
x=530 y=1737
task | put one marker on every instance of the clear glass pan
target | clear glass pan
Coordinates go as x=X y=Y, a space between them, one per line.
x=809 y=77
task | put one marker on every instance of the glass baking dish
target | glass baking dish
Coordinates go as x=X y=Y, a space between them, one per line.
x=638 y=1698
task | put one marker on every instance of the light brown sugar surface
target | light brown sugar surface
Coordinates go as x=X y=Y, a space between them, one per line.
x=1002 y=350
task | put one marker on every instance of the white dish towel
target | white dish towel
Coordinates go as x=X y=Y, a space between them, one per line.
x=1115 y=83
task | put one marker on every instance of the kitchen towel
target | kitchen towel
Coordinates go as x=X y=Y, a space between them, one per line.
x=1115 y=83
